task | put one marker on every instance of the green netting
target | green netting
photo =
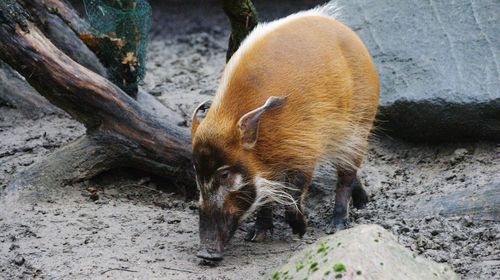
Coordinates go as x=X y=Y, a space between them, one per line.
x=129 y=20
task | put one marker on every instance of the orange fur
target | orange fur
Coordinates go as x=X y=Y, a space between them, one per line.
x=332 y=91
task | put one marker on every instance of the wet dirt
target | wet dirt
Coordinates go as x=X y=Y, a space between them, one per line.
x=124 y=225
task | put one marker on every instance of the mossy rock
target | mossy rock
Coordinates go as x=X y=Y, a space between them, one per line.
x=362 y=252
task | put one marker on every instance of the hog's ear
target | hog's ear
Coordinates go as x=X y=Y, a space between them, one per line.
x=194 y=119
x=248 y=125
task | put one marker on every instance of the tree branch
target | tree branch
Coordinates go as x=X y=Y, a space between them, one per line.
x=62 y=25
x=100 y=105
x=243 y=18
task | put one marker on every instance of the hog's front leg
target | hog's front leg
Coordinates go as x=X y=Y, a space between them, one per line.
x=294 y=214
x=263 y=224
x=296 y=219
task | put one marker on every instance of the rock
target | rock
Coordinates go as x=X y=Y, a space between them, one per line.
x=482 y=203
x=157 y=91
x=19 y=260
x=362 y=252
x=458 y=156
x=13 y=247
x=439 y=66
x=460 y=153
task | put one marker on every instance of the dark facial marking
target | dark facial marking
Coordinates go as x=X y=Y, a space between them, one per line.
x=207 y=159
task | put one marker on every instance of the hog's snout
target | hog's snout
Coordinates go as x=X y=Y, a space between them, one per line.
x=216 y=229
x=210 y=254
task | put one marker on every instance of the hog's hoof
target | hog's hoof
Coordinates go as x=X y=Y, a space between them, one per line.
x=298 y=224
x=359 y=197
x=209 y=255
x=336 y=226
x=258 y=235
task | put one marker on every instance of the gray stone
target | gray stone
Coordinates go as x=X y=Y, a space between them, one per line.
x=481 y=203
x=19 y=260
x=439 y=65
x=362 y=252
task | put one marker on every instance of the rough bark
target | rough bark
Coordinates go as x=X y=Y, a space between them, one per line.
x=89 y=156
x=81 y=159
x=120 y=132
x=59 y=22
x=243 y=18
x=62 y=25
x=118 y=128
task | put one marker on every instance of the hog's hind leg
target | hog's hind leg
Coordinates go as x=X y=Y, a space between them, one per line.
x=348 y=186
x=359 y=195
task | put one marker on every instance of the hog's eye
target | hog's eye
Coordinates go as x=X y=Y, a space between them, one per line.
x=224 y=174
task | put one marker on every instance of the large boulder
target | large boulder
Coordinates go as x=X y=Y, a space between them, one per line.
x=362 y=252
x=482 y=203
x=439 y=65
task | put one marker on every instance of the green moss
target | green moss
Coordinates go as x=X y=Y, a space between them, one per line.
x=339 y=267
x=323 y=248
x=276 y=275
x=314 y=266
x=327 y=272
x=299 y=266
x=376 y=240
x=338 y=275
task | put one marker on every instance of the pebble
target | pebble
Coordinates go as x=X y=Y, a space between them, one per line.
x=460 y=152
x=467 y=222
x=458 y=155
x=13 y=247
x=19 y=260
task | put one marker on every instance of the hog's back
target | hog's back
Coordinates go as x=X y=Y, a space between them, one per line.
x=331 y=84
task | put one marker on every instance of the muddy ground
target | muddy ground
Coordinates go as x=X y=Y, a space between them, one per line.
x=135 y=228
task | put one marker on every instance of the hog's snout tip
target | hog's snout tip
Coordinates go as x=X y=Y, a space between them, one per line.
x=209 y=254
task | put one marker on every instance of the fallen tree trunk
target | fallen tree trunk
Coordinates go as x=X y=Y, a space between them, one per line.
x=58 y=22
x=119 y=130
x=93 y=154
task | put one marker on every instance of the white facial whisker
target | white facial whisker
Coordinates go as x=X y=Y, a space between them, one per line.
x=269 y=191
